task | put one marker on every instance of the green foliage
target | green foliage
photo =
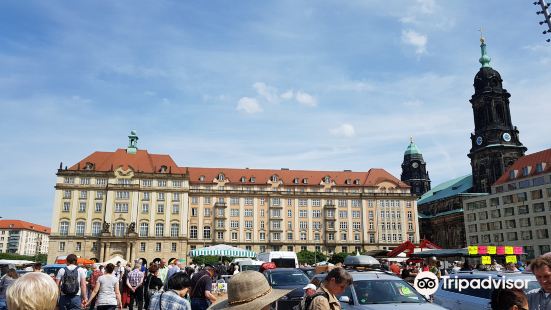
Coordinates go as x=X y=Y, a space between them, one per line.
x=310 y=258
x=210 y=260
x=38 y=258
x=339 y=257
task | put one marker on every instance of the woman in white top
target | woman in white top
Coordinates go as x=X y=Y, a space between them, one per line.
x=107 y=290
x=236 y=269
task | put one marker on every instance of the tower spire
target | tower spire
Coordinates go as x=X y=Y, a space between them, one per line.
x=484 y=59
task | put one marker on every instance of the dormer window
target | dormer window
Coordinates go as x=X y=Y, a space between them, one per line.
x=295 y=180
x=348 y=181
x=163 y=169
x=326 y=180
x=243 y=179
x=220 y=177
x=539 y=167
x=526 y=171
x=202 y=178
x=89 y=166
x=357 y=181
x=305 y=181
x=512 y=174
x=253 y=179
x=274 y=178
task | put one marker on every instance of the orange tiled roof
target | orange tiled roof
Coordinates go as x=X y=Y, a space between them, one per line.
x=528 y=160
x=262 y=176
x=17 y=224
x=142 y=161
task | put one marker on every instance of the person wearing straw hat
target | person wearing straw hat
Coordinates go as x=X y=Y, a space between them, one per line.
x=249 y=290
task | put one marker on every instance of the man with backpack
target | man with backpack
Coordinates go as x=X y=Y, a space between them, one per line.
x=336 y=281
x=72 y=283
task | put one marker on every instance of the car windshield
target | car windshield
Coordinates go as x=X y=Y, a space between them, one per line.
x=288 y=278
x=532 y=285
x=385 y=292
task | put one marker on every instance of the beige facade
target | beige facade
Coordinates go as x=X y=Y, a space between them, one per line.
x=165 y=211
x=516 y=212
x=23 y=238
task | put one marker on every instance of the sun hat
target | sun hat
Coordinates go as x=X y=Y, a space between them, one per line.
x=249 y=290
x=310 y=285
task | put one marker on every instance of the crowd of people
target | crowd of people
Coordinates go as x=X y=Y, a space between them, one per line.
x=176 y=286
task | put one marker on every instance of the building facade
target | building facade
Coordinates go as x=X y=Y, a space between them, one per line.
x=414 y=170
x=136 y=204
x=495 y=143
x=23 y=238
x=517 y=212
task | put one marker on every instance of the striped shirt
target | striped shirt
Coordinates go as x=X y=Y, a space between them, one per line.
x=135 y=277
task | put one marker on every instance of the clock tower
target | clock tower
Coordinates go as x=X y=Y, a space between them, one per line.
x=414 y=170
x=495 y=143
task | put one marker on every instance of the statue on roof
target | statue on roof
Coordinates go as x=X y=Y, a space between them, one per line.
x=132 y=142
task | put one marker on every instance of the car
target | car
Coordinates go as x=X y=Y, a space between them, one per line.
x=287 y=278
x=379 y=289
x=310 y=272
x=470 y=298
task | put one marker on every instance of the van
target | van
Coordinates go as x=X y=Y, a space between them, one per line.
x=282 y=259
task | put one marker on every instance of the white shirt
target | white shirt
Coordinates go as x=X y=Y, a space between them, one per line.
x=81 y=275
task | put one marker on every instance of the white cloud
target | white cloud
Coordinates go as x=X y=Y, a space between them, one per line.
x=248 y=105
x=419 y=41
x=269 y=93
x=357 y=86
x=426 y=6
x=344 y=130
x=306 y=99
x=288 y=95
x=413 y=103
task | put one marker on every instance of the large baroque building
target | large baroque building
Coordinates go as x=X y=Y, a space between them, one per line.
x=517 y=212
x=23 y=238
x=136 y=204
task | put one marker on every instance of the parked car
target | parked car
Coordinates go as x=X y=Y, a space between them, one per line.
x=453 y=299
x=52 y=268
x=287 y=278
x=310 y=272
x=282 y=259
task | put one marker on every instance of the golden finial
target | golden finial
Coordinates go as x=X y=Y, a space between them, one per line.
x=481 y=37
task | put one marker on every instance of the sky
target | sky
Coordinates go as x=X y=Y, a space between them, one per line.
x=318 y=85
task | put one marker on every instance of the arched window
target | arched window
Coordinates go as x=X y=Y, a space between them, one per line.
x=206 y=232
x=80 y=228
x=120 y=229
x=193 y=232
x=220 y=177
x=144 y=229
x=326 y=179
x=159 y=229
x=64 y=228
x=174 y=229
x=202 y=178
x=96 y=228
x=243 y=179
x=274 y=178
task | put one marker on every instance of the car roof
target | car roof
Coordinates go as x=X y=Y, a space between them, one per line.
x=367 y=275
x=283 y=270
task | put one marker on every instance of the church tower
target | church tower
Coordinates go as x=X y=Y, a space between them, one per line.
x=414 y=170
x=495 y=141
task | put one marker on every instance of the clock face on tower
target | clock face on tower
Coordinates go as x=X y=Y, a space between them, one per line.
x=506 y=137
x=479 y=140
x=415 y=164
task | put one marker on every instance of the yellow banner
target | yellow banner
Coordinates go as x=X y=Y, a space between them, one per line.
x=473 y=250
x=492 y=250
x=486 y=260
x=509 y=250
x=511 y=259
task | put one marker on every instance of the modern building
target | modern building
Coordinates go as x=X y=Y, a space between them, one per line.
x=136 y=204
x=517 y=212
x=414 y=170
x=23 y=238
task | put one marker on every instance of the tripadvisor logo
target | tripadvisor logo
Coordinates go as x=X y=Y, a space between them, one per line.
x=426 y=283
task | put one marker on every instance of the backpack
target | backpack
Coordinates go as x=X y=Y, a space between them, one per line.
x=307 y=301
x=69 y=282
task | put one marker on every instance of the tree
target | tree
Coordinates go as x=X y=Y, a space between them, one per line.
x=338 y=257
x=310 y=258
x=37 y=258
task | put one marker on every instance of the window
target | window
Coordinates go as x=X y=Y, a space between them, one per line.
x=96 y=228
x=512 y=236
x=303 y=225
x=66 y=206
x=144 y=229
x=159 y=229
x=302 y=213
x=207 y=212
x=248 y=224
x=262 y=236
x=409 y=215
x=495 y=213
x=234 y=212
x=160 y=208
x=248 y=201
x=261 y=201
x=120 y=229
x=344 y=225
x=510 y=224
x=193 y=232
x=206 y=232
x=99 y=195
x=161 y=196
x=121 y=207
x=99 y=206
x=355 y=202
x=526 y=235
x=248 y=213
x=161 y=183
x=509 y=211
x=482 y=215
x=80 y=228
x=343 y=214
x=158 y=247
x=174 y=230
x=145 y=196
x=289 y=202
x=234 y=224
x=175 y=209
x=146 y=183
x=64 y=228
x=523 y=210
x=316 y=225
x=542 y=233
x=316 y=202
x=276 y=225
x=175 y=196
x=83 y=194
x=316 y=213
x=66 y=194
x=82 y=207
x=261 y=224
x=122 y=195
x=276 y=202
x=303 y=202
x=145 y=208
x=62 y=246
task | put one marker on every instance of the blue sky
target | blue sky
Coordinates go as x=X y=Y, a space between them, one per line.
x=324 y=85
